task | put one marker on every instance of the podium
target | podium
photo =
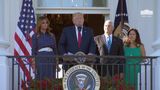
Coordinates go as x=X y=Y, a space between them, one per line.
x=79 y=58
x=81 y=76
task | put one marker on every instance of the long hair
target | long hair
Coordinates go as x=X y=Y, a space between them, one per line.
x=138 y=39
x=39 y=23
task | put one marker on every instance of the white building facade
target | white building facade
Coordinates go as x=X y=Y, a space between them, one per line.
x=148 y=25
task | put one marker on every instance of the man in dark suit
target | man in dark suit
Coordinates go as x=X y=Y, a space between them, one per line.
x=109 y=45
x=77 y=38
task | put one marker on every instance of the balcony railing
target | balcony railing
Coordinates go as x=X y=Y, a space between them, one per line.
x=115 y=72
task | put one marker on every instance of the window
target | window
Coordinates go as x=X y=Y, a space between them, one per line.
x=71 y=3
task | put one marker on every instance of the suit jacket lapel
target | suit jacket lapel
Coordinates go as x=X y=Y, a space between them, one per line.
x=74 y=36
x=103 y=39
x=113 y=44
x=105 y=48
x=84 y=31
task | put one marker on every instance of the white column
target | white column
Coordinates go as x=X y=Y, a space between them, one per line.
x=1 y=18
x=156 y=46
x=4 y=65
x=156 y=74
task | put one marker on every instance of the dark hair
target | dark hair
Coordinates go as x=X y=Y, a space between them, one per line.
x=138 y=39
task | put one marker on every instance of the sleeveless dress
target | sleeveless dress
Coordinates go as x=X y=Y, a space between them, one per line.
x=132 y=67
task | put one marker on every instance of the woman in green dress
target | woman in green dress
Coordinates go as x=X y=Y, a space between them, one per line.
x=133 y=47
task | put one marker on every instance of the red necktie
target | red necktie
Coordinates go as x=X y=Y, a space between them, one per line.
x=79 y=37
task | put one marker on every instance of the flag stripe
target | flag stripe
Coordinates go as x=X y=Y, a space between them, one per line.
x=23 y=39
x=17 y=48
x=22 y=46
x=22 y=65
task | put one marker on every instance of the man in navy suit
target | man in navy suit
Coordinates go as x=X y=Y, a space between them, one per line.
x=112 y=46
x=69 y=38
x=77 y=38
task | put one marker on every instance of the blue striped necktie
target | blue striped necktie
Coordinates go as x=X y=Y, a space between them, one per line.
x=109 y=43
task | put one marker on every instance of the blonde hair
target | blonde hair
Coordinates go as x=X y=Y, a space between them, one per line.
x=39 y=23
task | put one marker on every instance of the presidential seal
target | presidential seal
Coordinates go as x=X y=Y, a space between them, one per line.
x=81 y=77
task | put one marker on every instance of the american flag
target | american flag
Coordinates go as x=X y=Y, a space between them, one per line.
x=23 y=34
